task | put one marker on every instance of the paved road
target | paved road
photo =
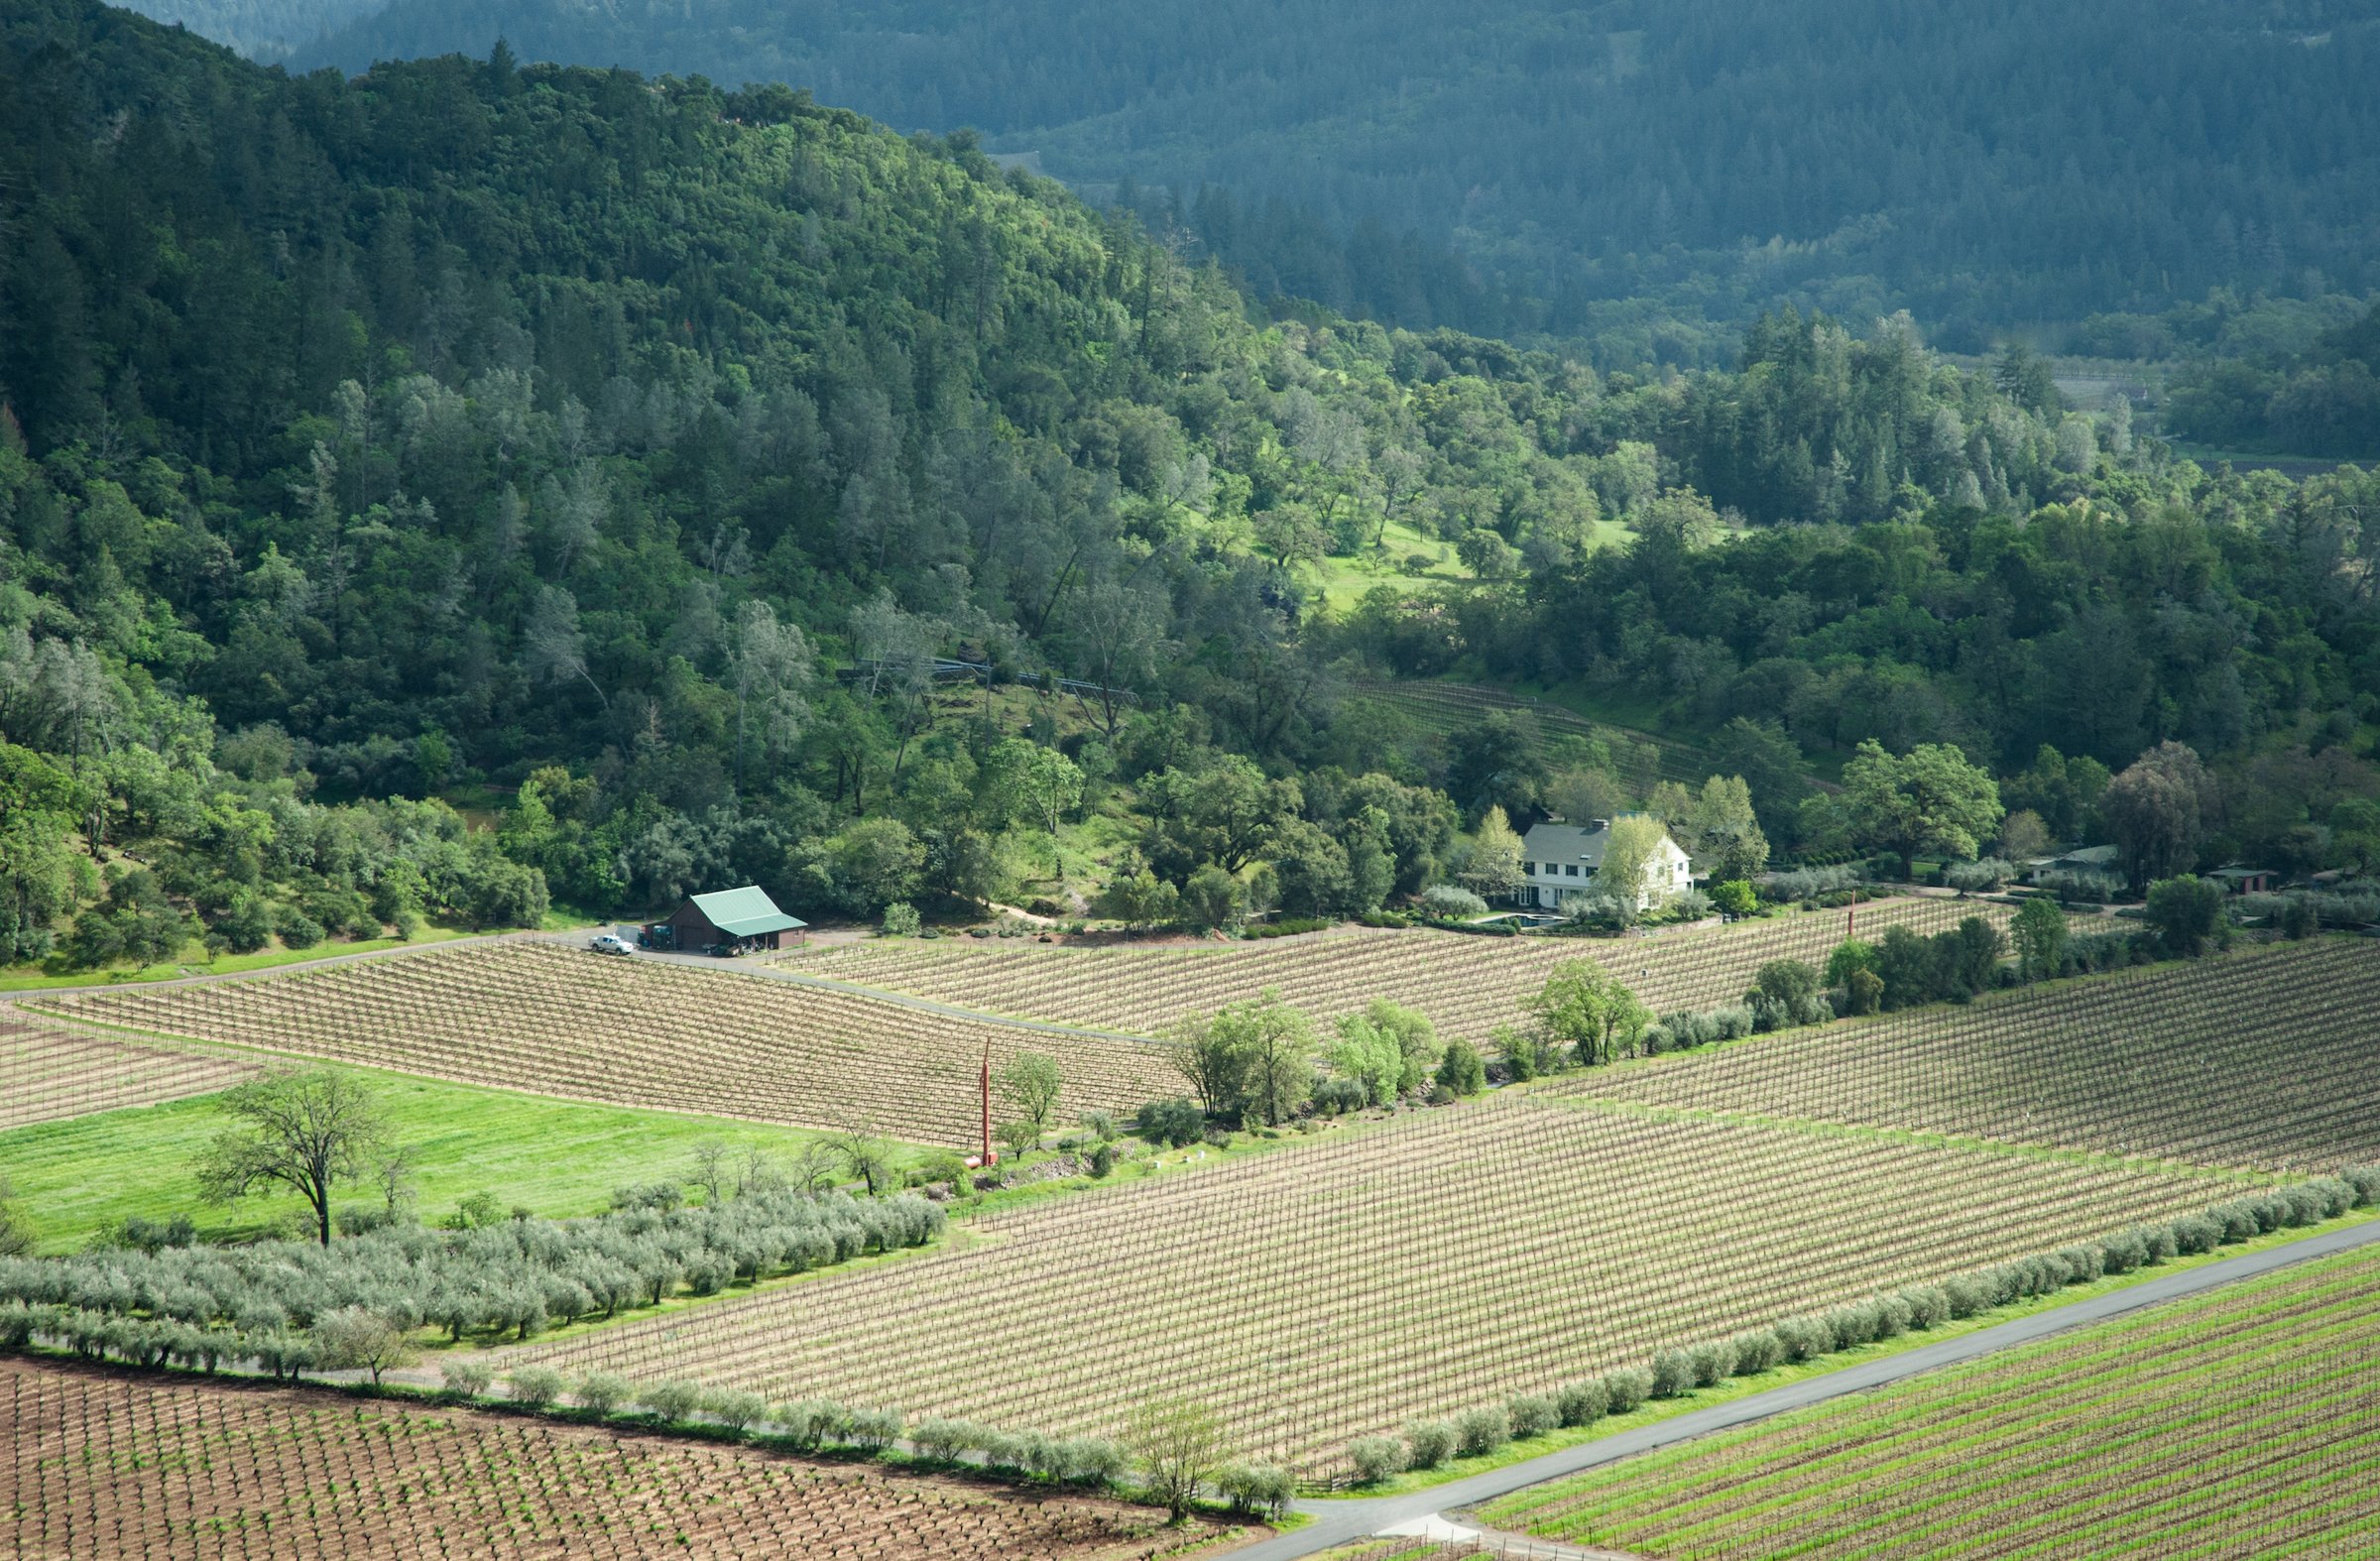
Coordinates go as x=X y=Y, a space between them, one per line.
x=1342 y=1523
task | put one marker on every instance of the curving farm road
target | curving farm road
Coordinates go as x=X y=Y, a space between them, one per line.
x=1338 y=1522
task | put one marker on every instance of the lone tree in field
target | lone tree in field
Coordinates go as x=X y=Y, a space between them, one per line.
x=306 y=1130
x=1585 y=1006
x=1031 y=1083
x=867 y=1154
x=1179 y=1446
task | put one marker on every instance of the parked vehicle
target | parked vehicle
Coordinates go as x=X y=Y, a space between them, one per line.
x=609 y=943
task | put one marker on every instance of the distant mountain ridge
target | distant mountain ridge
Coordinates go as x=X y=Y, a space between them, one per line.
x=1988 y=167
x=271 y=31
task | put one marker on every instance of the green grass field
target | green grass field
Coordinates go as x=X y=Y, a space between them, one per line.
x=2238 y=1423
x=79 y=1179
x=1345 y=581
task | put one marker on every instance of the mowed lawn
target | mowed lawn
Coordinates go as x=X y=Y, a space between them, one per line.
x=78 y=1178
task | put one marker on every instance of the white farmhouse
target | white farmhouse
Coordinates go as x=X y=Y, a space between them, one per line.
x=1559 y=861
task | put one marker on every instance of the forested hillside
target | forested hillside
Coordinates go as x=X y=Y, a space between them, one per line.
x=1989 y=168
x=610 y=460
x=2321 y=400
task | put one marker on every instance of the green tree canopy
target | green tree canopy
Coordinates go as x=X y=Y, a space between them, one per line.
x=1932 y=799
x=1585 y=1008
x=308 y=1131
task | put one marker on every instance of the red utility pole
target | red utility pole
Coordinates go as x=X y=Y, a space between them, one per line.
x=990 y=1158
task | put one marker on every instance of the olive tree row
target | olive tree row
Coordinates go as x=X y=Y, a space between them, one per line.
x=1794 y=1340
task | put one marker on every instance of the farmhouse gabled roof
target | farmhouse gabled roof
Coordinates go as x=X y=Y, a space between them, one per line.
x=1552 y=842
x=1566 y=843
x=744 y=913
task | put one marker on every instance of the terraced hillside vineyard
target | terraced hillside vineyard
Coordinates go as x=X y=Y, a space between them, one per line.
x=2241 y=1423
x=1468 y=985
x=559 y=1022
x=49 y=1073
x=118 y=1464
x=1347 y=1286
x=2266 y=1058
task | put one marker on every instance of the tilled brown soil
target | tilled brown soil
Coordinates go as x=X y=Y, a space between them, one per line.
x=112 y=1463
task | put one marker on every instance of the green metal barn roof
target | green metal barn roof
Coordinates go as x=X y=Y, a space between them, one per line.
x=744 y=913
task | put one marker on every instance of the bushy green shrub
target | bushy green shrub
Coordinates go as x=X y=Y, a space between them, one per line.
x=2123 y=1253
x=1449 y=902
x=1673 y=1373
x=296 y=928
x=2091 y=1261
x=1091 y=1461
x=1758 y=1350
x=467 y=1380
x=1532 y=1414
x=1804 y=1338
x=1174 y=1124
x=870 y=1430
x=2195 y=1232
x=1850 y=1327
x=602 y=1392
x=534 y=1387
x=670 y=1400
x=1460 y=1070
x=1481 y=1430
x=1712 y=1363
x=1626 y=1388
x=1037 y=1455
x=1584 y=1403
x=2236 y=1220
x=1967 y=1296
x=736 y=1408
x=1257 y=1490
x=809 y=1423
x=1376 y=1458
x=1929 y=1306
x=1338 y=1097
x=1973 y=878
x=2336 y=1193
x=1429 y=1443
x=945 y=1439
